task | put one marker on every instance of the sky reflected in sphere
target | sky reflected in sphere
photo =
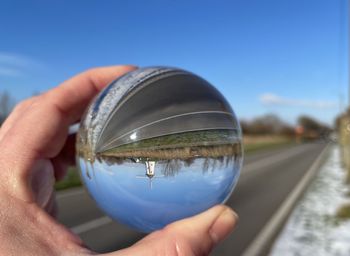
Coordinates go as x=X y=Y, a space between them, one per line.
x=158 y=145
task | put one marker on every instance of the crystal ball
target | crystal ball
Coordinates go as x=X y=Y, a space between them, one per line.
x=157 y=145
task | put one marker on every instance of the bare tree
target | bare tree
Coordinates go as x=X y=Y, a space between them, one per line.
x=6 y=105
x=267 y=124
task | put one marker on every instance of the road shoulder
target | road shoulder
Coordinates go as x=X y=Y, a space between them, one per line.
x=263 y=241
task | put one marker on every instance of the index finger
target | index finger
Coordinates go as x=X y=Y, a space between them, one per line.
x=41 y=131
x=73 y=95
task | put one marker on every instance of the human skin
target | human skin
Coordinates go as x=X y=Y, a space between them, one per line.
x=35 y=150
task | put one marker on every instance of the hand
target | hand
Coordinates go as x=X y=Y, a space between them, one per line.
x=35 y=149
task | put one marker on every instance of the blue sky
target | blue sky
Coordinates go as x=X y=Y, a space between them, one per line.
x=266 y=56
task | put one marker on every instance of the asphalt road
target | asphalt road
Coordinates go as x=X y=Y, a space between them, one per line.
x=266 y=180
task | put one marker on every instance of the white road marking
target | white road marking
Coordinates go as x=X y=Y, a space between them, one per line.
x=276 y=158
x=71 y=192
x=264 y=238
x=73 y=129
x=91 y=225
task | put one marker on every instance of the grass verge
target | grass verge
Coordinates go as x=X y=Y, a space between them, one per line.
x=253 y=144
x=343 y=212
x=71 y=180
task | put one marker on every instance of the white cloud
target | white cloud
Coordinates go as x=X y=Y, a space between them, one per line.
x=273 y=99
x=5 y=71
x=12 y=64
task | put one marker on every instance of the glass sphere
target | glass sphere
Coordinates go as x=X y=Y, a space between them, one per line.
x=157 y=145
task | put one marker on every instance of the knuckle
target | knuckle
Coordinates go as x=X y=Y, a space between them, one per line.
x=93 y=75
x=91 y=72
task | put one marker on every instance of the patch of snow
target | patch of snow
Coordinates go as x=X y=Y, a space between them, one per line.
x=313 y=227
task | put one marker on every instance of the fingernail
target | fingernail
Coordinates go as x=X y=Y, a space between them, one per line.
x=223 y=225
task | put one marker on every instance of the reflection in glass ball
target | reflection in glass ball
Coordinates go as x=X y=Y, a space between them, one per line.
x=157 y=145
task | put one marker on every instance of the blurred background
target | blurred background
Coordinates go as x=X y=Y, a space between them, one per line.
x=282 y=65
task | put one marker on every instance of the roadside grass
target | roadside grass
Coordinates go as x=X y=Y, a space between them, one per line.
x=72 y=179
x=343 y=212
x=251 y=145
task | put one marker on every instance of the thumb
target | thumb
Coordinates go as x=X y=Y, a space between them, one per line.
x=192 y=236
